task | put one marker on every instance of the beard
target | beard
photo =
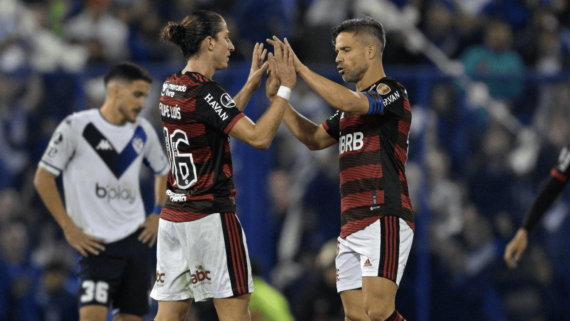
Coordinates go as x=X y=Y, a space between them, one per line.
x=355 y=74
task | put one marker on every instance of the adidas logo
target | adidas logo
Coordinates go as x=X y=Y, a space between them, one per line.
x=367 y=263
x=104 y=145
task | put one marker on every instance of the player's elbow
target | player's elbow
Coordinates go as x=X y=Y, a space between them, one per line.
x=312 y=146
x=38 y=179
x=263 y=144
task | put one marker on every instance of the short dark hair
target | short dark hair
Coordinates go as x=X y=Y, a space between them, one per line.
x=127 y=71
x=359 y=26
x=188 y=34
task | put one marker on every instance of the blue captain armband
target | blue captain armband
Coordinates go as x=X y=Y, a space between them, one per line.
x=376 y=103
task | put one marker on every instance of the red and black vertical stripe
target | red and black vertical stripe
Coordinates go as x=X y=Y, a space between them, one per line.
x=235 y=253
x=389 y=247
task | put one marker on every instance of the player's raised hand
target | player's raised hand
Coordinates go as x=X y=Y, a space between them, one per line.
x=150 y=230
x=272 y=81
x=515 y=248
x=283 y=64
x=258 y=67
x=297 y=62
x=82 y=242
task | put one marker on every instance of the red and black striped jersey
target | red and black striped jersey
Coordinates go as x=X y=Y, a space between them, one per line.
x=197 y=115
x=373 y=150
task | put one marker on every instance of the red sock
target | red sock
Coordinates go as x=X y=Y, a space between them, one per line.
x=396 y=317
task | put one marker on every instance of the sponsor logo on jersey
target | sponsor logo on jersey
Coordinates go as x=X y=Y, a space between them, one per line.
x=57 y=138
x=104 y=145
x=382 y=89
x=367 y=263
x=159 y=277
x=176 y=197
x=216 y=106
x=351 y=142
x=200 y=275
x=392 y=98
x=227 y=101
x=169 y=111
x=112 y=193
x=138 y=144
x=169 y=89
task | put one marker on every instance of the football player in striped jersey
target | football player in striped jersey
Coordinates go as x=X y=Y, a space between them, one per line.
x=371 y=127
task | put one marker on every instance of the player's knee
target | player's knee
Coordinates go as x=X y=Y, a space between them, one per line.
x=354 y=314
x=380 y=312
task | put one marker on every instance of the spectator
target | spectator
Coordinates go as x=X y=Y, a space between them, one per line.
x=494 y=63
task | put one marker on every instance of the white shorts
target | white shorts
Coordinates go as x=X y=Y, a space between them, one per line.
x=202 y=259
x=381 y=249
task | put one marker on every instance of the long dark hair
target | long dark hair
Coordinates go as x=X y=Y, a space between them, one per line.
x=188 y=34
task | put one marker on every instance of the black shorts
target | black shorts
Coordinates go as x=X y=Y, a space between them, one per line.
x=120 y=276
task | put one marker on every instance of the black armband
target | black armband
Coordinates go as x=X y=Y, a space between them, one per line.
x=542 y=202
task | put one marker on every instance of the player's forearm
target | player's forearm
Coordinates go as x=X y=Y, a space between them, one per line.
x=302 y=128
x=267 y=125
x=542 y=202
x=160 y=190
x=44 y=182
x=337 y=96
x=243 y=97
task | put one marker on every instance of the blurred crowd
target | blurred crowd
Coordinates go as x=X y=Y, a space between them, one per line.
x=473 y=170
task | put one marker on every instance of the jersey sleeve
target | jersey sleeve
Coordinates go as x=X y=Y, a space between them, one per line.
x=332 y=125
x=386 y=96
x=549 y=192
x=215 y=107
x=154 y=156
x=60 y=148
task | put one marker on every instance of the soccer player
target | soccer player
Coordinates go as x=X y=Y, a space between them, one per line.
x=100 y=152
x=372 y=126
x=558 y=179
x=202 y=251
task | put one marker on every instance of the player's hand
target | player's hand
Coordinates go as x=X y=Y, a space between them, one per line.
x=283 y=65
x=515 y=248
x=150 y=230
x=258 y=67
x=272 y=81
x=298 y=64
x=82 y=242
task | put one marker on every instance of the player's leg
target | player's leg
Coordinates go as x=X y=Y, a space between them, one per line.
x=126 y=317
x=234 y=308
x=130 y=302
x=379 y=297
x=353 y=303
x=232 y=282
x=173 y=310
x=382 y=274
x=93 y=313
x=349 y=282
x=173 y=286
x=100 y=278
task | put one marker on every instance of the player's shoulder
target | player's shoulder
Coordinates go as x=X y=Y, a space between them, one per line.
x=79 y=119
x=388 y=86
x=145 y=124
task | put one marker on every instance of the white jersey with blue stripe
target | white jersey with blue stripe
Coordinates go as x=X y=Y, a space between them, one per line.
x=100 y=162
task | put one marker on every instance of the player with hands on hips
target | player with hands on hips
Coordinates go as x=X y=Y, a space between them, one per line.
x=100 y=152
